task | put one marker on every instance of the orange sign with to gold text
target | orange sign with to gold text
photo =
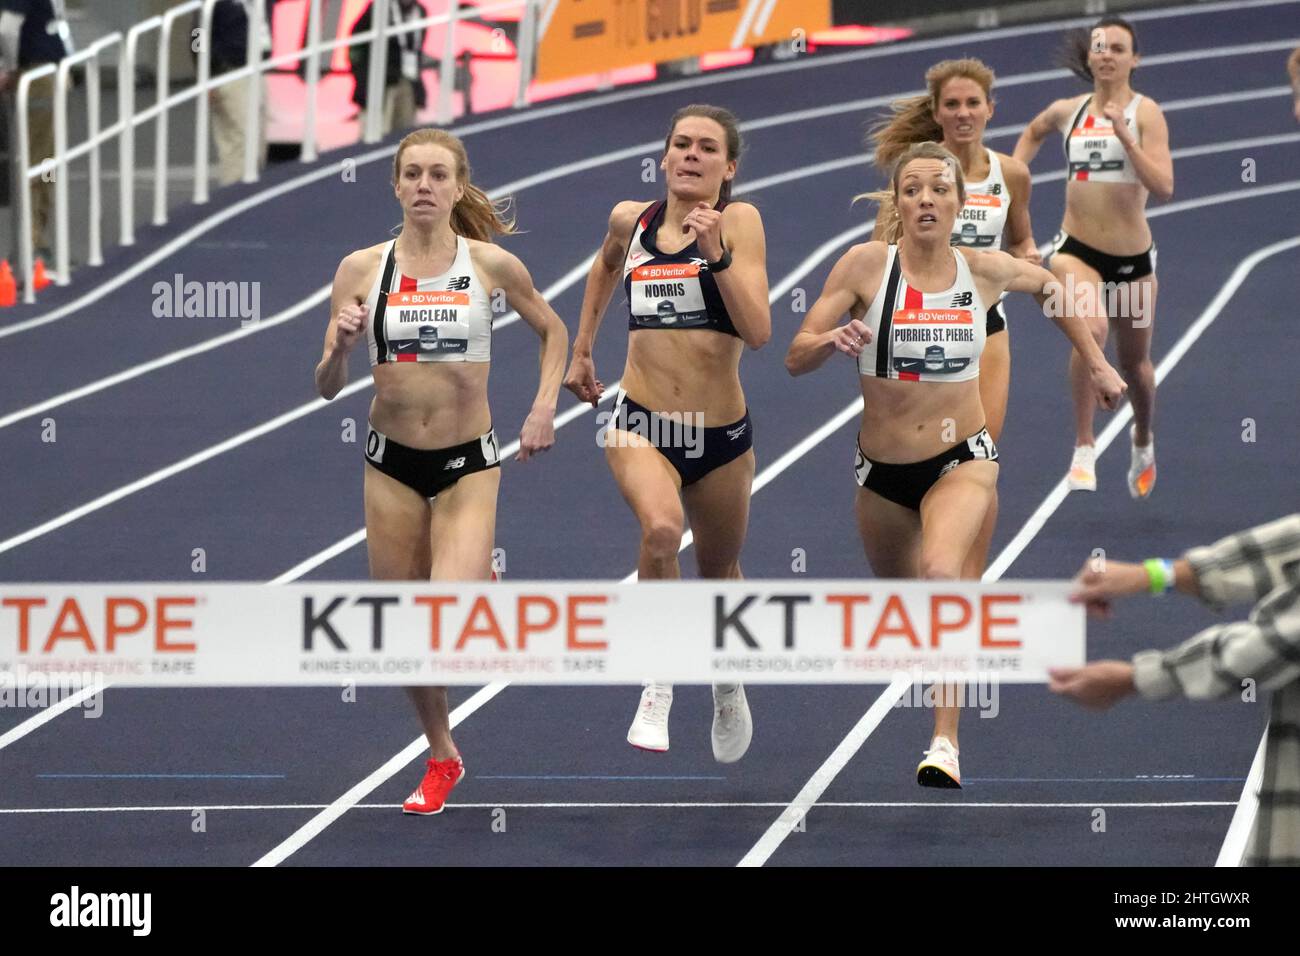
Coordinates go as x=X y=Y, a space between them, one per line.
x=593 y=36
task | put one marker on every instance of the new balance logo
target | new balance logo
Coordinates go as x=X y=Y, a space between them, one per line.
x=458 y=283
x=948 y=467
x=962 y=299
x=454 y=463
x=995 y=189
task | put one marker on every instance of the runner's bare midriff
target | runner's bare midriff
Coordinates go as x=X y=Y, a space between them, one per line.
x=1110 y=217
x=686 y=370
x=431 y=404
x=912 y=421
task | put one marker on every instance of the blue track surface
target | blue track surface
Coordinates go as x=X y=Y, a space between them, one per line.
x=273 y=501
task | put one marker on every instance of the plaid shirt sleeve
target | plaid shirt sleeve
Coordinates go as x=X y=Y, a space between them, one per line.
x=1261 y=565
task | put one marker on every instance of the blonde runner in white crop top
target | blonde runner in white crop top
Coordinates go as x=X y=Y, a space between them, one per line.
x=981 y=221
x=1092 y=149
x=446 y=318
x=924 y=336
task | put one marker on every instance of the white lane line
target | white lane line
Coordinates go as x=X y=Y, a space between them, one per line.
x=780 y=829
x=1122 y=417
x=45 y=716
x=1233 y=851
x=553 y=805
x=768 y=843
x=795 y=812
x=411 y=751
x=162 y=474
x=171 y=358
x=382 y=153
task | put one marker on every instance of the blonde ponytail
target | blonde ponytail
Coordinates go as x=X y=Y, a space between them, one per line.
x=913 y=118
x=475 y=216
x=888 y=198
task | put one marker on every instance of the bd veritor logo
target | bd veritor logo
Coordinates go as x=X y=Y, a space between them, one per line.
x=76 y=908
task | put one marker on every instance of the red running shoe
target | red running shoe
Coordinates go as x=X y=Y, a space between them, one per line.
x=431 y=794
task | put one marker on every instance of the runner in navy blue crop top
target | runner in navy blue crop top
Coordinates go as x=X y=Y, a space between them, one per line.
x=679 y=438
x=671 y=291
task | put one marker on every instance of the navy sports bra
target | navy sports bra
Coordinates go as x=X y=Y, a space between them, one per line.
x=670 y=291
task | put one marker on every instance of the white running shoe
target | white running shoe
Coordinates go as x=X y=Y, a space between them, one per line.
x=1142 y=466
x=649 y=730
x=732 y=726
x=939 y=768
x=1083 y=468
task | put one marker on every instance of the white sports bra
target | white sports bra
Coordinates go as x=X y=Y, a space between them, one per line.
x=924 y=336
x=447 y=318
x=1094 y=152
x=981 y=221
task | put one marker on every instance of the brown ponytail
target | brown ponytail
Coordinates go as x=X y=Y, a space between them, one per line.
x=475 y=216
x=1077 y=44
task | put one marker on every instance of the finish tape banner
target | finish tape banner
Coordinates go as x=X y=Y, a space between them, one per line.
x=547 y=632
x=592 y=36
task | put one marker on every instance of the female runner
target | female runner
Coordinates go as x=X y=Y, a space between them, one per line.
x=432 y=459
x=1117 y=148
x=926 y=465
x=680 y=440
x=954 y=113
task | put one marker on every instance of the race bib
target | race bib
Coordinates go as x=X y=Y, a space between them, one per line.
x=424 y=326
x=932 y=341
x=980 y=210
x=1096 y=148
x=668 y=296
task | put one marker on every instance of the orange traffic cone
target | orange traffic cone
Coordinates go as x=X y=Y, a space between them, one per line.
x=39 y=279
x=8 y=286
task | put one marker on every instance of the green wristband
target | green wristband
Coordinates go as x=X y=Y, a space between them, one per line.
x=1160 y=575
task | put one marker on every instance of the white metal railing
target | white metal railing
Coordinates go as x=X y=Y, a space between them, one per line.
x=127 y=48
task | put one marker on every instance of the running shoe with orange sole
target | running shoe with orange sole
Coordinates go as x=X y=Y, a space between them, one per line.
x=431 y=795
x=1142 y=466
x=1083 y=469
